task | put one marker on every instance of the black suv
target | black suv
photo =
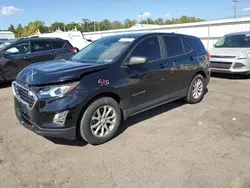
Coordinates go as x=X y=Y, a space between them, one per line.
x=19 y=53
x=108 y=81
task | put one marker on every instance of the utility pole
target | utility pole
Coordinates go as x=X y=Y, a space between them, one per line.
x=141 y=15
x=94 y=25
x=235 y=7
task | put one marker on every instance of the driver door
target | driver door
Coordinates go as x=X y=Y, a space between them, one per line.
x=144 y=81
x=17 y=58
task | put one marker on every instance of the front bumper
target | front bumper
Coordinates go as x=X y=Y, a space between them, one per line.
x=230 y=65
x=230 y=71
x=39 y=116
x=24 y=115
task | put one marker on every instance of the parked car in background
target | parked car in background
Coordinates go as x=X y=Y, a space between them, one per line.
x=18 y=53
x=110 y=80
x=231 y=54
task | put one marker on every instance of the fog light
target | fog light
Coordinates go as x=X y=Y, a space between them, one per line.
x=60 y=118
x=239 y=66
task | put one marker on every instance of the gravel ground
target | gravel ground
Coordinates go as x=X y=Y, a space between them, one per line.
x=175 y=145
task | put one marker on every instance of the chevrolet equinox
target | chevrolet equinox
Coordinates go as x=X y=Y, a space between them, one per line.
x=115 y=77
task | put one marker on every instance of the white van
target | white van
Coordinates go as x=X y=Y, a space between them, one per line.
x=74 y=37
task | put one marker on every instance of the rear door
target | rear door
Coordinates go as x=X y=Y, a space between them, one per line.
x=181 y=63
x=41 y=50
x=16 y=57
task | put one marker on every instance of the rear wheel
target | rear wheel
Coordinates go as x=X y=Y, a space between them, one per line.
x=196 y=90
x=100 y=121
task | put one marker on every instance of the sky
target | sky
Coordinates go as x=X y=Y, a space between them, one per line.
x=49 y=11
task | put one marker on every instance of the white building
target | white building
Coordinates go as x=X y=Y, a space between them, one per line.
x=7 y=35
x=209 y=31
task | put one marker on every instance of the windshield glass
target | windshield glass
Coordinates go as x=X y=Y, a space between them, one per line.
x=234 y=41
x=104 y=50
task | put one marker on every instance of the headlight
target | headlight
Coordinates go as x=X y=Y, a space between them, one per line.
x=56 y=91
x=244 y=55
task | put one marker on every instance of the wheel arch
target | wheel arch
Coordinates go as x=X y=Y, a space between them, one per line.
x=202 y=73
x=110 y=94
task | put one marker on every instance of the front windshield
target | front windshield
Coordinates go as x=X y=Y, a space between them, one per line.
x=234 y=41
x=104 y=50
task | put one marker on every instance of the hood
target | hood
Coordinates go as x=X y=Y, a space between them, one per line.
x=50 y=72
x=228 y=51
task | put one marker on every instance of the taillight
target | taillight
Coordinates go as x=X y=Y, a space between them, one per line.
x=208 y=56
x=74 y=50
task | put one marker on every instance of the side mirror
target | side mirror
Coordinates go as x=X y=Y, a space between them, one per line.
x=214 y=44
x=135 y=60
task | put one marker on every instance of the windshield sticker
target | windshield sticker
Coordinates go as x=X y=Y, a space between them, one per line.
x=103 y=82
x=126 y=40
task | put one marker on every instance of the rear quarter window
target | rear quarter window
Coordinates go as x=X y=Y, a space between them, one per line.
x=57 y=44
x=187 y=47
x=195 y=43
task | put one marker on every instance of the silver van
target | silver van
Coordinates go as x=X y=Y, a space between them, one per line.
x=231 y=54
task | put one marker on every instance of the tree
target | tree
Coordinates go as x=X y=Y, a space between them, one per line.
x=117 y=25
x=72 y=26
x=129 y=23
x=33 y=27
x=12 y=28
x=105 y=25
x=19 y=30
x=92 y=26
x=57 y=25
x=159 y=21
x=88 y=26
x=147 y=21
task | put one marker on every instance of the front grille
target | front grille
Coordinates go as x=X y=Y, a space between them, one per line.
x=24 y=95
x=221 y=65
x=26 y=118
x=220 y=56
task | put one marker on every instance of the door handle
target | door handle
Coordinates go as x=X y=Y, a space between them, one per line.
x=191 y=58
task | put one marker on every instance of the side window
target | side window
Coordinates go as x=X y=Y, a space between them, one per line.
x=173 y=45
x=149 y=48
x=40 y=45
x=19 y=49
x=57 y=44
x=195 y=43
x=187 y=47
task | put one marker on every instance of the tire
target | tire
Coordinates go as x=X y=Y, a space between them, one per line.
x=192 y=98
x=91 y=118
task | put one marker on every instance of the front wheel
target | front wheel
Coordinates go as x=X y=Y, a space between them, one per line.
x=100 y=121
x=196 y=90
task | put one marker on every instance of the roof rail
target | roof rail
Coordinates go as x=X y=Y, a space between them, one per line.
x=33 y=37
